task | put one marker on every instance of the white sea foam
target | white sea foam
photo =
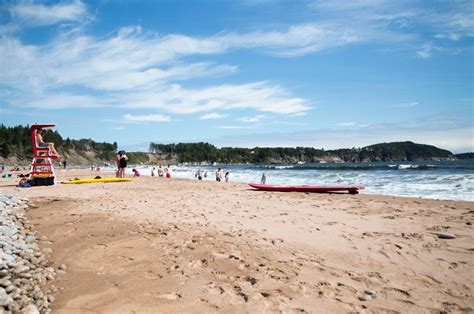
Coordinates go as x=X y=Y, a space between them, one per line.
x=450 y=184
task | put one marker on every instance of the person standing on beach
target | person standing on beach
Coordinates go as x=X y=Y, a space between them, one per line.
x=122 y=160
x=168 y=172
x=263 y=179
x=218 y=175
x=64 y=163
x=227 y=176
x=153 y=172
x=160 y=171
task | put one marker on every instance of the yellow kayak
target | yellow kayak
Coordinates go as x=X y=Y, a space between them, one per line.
x=102 y=180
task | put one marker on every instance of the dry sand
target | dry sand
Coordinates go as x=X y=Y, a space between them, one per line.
x=158 y=246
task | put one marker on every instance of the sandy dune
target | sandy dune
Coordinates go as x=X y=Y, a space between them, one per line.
x=157 y=245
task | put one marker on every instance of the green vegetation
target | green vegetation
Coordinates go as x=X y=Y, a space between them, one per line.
x=16 y=142
x=392 y=152
x=465 y=156
x=205 y=152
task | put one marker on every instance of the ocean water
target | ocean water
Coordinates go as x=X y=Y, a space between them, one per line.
x=448 y=180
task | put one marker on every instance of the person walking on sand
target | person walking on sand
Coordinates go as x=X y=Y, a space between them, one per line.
x=168 y=172
x=263 y=179
x=227 y=176
x=153 y=172
x=218 y=175
x=122 y=161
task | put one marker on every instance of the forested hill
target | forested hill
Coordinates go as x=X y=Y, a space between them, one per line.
x=465 y=156
x=15 y=144
x=397 y=151
x=15 y=147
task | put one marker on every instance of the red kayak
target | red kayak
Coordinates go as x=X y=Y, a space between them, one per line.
x=307 y=188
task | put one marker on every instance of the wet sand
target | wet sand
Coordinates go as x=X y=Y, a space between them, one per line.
x=158 y=245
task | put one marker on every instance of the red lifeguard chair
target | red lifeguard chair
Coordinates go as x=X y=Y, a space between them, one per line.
x=42 y=168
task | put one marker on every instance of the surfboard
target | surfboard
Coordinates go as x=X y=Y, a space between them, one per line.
x=102 y=180
x=307 y=188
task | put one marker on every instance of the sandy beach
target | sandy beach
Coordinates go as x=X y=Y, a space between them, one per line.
x=158 y=246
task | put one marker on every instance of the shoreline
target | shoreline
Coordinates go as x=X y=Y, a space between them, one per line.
x=199 y=245
x=427 y=181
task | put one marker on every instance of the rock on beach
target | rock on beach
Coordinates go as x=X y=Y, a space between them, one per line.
x=23 y=267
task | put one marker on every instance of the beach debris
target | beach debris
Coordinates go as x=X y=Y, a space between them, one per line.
x=445 y=235
x=370 y=292
x=24 y=268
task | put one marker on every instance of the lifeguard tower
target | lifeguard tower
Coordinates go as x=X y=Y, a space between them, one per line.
x=42 y=168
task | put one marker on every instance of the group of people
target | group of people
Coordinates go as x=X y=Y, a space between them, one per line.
x=200 y=174
x=160 y=172
x=219 y=175
x=122 y=161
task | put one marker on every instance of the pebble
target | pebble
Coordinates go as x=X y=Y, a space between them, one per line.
x=30 y=239
x=31 y=309
x=370 y=292
x=5 y=299
x=445 y=235
x=23 y=267
x=365 y=297
x=63 y=267
x=5 y=282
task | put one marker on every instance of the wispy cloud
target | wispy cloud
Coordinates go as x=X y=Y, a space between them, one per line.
x=254 y=119
x=231 y=127
x=352 y=125
x=132 y=70
x=417 y=24
x=212 y=116
x=146 y=118
x=33 y=14
x=406 y=105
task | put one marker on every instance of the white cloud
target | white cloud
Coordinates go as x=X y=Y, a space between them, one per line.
x=350 y=125
x=406 y=105
x=212 y=116
x=254 y=119
x=231 y=127
x=412 y=21
x=297 y=40
x=450 y=36
x=40 y=14
x=425 y=50
x=146 y=118
x=132 y=70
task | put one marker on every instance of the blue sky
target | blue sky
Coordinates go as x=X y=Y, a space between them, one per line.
x=327 y=74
